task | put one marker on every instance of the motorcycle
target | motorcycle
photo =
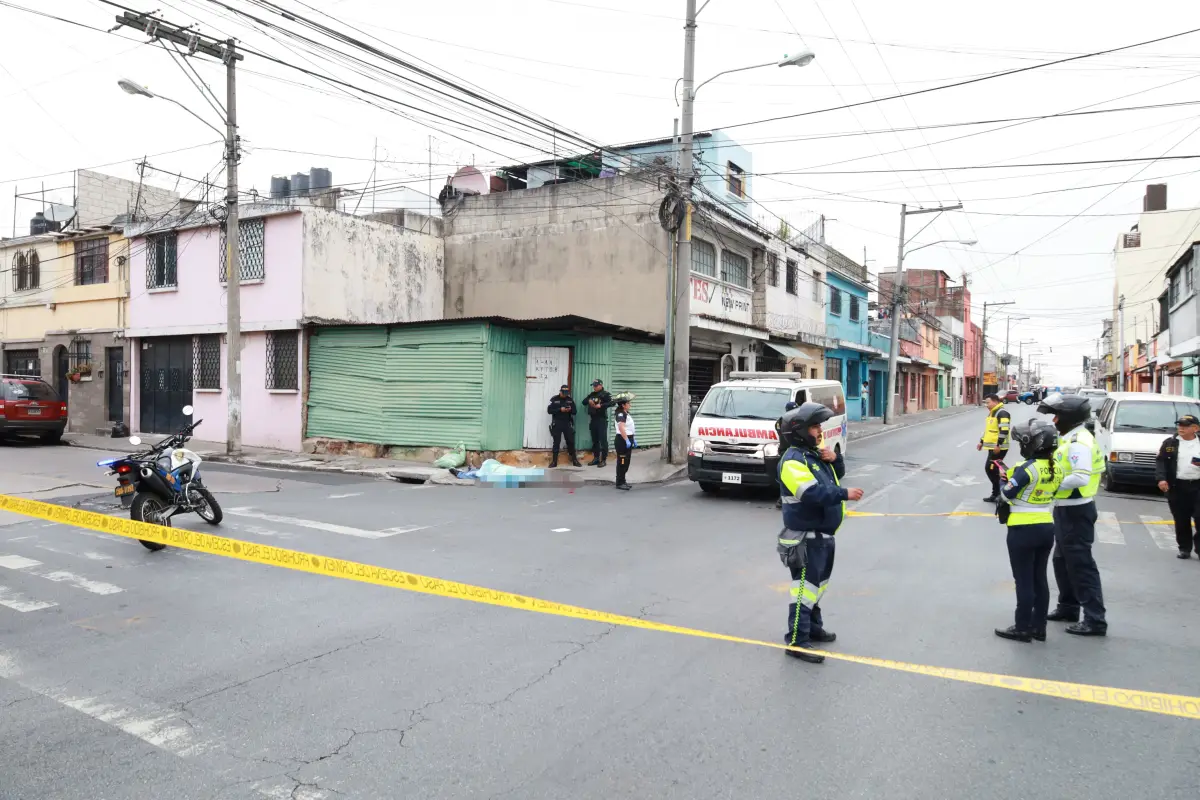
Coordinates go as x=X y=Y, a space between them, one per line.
x=163 y=482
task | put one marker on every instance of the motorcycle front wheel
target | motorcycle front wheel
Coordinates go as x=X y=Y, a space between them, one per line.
x=208 y=509
x=148 y=507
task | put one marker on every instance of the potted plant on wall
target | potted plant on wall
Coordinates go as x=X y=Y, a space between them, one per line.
x=79 y=373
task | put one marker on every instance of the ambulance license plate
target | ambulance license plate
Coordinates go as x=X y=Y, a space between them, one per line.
x=731 y=477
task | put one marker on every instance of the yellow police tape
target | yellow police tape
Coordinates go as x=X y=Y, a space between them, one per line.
x=1131 y=699
x=978 y=514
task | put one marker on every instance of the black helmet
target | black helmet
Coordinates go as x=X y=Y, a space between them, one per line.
x=1037 y=438
x=1071 y=410
x=794 y=427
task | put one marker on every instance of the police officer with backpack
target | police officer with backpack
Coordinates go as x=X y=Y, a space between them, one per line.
x=814 y=504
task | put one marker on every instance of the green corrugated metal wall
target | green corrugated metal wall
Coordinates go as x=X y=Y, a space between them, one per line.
x=435 y=385
x=638 y=368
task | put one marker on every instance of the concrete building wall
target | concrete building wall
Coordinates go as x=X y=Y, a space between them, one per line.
x=1140 y=265
x=100 y=198
x=593 y=248
x=367 y=271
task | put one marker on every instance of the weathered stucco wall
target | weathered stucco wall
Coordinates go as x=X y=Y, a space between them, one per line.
x=593 y=248
x=363 y=271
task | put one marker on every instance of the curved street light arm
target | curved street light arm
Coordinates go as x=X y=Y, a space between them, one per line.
x=220 y=132
x=726 y=72
x=941 y=241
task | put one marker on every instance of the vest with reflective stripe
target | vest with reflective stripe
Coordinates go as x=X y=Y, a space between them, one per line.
x=1062 y=463
x=991 y=433
x=1035 y=502
x=808 y=471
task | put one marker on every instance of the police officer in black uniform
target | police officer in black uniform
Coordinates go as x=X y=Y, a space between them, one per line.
x=562 y=423
x=598 y=403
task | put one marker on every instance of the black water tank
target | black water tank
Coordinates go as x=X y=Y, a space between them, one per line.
x=39 y=224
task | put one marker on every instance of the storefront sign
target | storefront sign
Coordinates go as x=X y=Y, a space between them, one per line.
x=989 y=378
x=721 y=300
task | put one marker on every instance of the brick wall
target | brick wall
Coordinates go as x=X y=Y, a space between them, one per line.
x=101 y=198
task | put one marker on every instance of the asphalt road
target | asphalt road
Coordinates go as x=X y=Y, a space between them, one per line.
x=130 y=674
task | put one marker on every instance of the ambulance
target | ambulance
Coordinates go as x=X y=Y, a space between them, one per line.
x=733 y=440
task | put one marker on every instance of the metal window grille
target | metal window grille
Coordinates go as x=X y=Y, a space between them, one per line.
x=161 y=261
x=773 y=269
x=91 y=261
x=206 y=361
x=23 y=362
x=835 y=301
x=854 y=309
x=816 y=280
x=252 y=251
x=283 y=360
x=833 y=369
x=793 y=276
x=735 y=268
x=704 y=258
x=79 y=356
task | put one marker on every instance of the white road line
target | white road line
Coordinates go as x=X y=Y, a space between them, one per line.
x=871 y=498
x=88 y=554
x=1163 y=535
x=1108 y=529
x=19 y=602
x=965 y=505
x=344 y=496
x=560 y=530
x=30 y=566
x=329 y=527
x=863 y=469
x=963 y=444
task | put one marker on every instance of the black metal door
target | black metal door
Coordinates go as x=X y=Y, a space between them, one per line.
x=114 y=378
x=166 y=383
x=62 y=365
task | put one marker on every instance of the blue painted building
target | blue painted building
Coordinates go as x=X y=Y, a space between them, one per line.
x=849 y=354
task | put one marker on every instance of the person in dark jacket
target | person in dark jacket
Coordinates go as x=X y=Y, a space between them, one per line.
x=598 y=403
x=1177 y=470
x=814 y=504
x=772 y=464
x=562 y=423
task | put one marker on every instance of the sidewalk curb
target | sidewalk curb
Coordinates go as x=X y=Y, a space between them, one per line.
x=896 y=427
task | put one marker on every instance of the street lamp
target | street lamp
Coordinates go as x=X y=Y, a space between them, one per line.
x=233 y=269
x=898 y=292
x=677 y=327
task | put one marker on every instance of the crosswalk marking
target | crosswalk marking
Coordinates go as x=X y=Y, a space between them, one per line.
x=19 y=602
x=965 y=505
x=1108 y=529
x=31 y=566
x=322 y=526
x=1163 y=535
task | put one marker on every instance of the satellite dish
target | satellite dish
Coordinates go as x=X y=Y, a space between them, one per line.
x=60 y=213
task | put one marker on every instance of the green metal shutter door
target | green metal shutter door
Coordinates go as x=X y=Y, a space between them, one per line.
x=638 y=368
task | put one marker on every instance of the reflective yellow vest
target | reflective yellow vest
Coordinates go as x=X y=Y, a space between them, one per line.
x=1062 y=463
x=996 y=433
x=1035 y=502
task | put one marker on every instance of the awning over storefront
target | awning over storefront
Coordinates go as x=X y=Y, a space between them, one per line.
x=789 y=351
x=858 y=348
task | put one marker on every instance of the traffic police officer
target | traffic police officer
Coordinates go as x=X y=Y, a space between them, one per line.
x=598 y=403
x=562 y=423
x=1081 y=463
x=995 y=441
x=772 y=464
x=813 y=508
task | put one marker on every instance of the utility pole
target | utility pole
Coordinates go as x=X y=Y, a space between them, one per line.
x=898 y=296
x=226 y=53
x=668 y=331
x=983 y=344
x=681 y=331
x=1121 y=341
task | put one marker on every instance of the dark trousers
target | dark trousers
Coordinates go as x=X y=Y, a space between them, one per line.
x=561 y=432
x=808 y=586
x=1184 y=500
x=623 y=452
x=993 y=474
x=598 y=426
x=1029 y=552
x=1075 y=570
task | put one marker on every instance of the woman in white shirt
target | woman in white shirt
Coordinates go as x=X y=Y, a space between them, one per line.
x=625 y=441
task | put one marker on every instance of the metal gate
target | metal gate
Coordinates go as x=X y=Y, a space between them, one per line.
x=22 y=362
x=114 y=386
x=166 y=383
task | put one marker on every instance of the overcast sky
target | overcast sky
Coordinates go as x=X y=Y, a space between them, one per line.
x=606 y=69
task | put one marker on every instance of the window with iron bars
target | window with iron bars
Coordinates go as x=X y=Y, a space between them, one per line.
x=91 y=261
x=252 y=251
x=816 y=281
x=283 y=360
x=206 y=361
x=161 y=261
x=772 y=269
x=855 y=312
x=793 y=275
x=79 y=356
x=704 y=258
x=735 y=268
x=26 y=271
x=835 y=301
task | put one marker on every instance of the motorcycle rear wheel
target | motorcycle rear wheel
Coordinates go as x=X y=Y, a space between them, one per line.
x=148 y=507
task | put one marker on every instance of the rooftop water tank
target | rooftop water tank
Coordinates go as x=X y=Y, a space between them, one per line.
x=300 y=184
x=320 y=179
x=281 y=187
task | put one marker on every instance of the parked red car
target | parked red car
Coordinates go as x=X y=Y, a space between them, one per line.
x=31 y=407
x=1011 y=396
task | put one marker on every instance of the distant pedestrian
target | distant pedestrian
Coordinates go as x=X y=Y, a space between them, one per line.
x=866 y=400
x=598 y=403
x=562 y=423
x=625 y=440
x=1178 y=472
x=995 y=441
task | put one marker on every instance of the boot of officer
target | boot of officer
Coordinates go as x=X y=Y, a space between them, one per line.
x=1080 y=461
x=813 y=509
